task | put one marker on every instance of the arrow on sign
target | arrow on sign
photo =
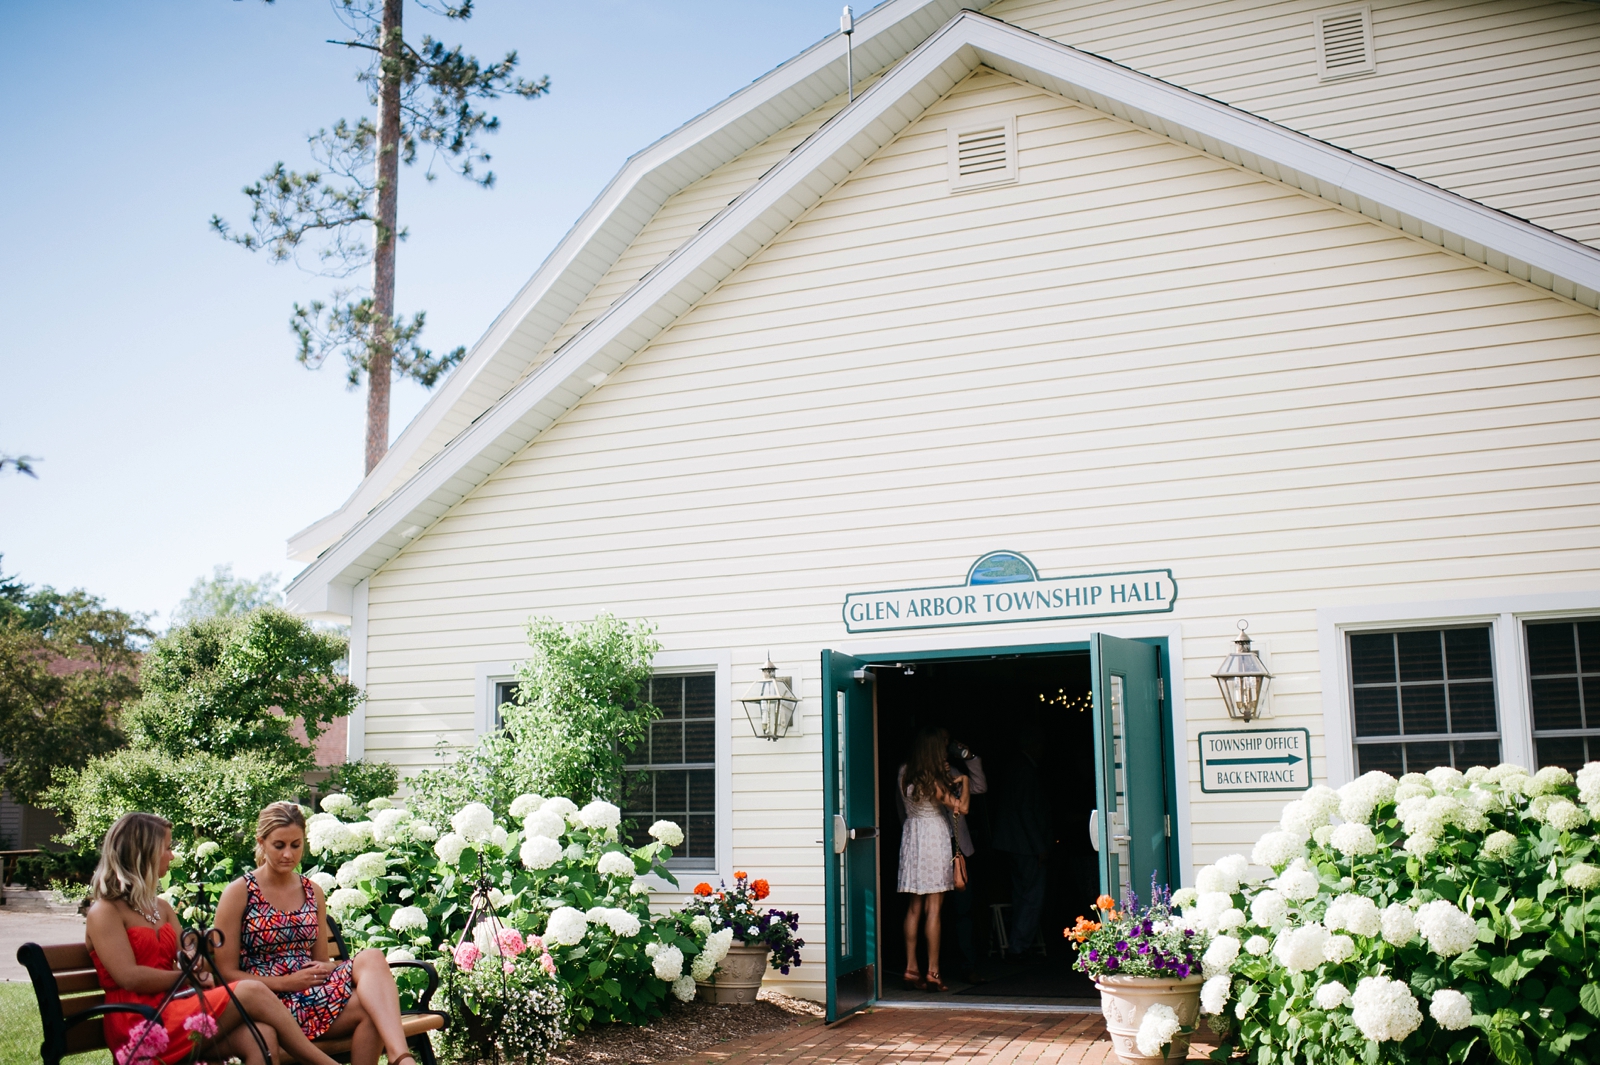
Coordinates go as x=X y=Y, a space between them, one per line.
x=1288 y=759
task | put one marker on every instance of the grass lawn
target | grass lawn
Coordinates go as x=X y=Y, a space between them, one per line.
x=20 y=1032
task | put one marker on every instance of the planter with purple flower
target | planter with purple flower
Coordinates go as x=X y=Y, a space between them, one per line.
x=1146 y=962
x=739 y=939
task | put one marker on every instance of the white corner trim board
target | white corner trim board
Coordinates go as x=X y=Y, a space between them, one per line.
x=829 y=156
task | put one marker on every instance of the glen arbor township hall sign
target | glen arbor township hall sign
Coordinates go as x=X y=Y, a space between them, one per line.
x=1004 y=586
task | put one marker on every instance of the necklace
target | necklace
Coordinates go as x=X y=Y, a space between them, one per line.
x=153 y=914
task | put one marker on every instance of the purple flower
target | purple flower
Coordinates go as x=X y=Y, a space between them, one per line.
x=1122 y=945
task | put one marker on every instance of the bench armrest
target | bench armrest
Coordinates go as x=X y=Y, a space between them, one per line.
x=147 y=1012
x=433 y=980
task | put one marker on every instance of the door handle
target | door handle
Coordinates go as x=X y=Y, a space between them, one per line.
x=864 y=833
x=1121 y=841
x=841 y=834
x=1094 y=830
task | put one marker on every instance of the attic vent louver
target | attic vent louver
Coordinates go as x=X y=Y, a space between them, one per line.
x=983 y=154
x=1344 y=43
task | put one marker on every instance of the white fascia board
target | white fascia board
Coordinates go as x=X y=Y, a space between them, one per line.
x=796 y=183
x=604 y=231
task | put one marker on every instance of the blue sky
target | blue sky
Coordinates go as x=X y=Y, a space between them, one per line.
x=149 y=364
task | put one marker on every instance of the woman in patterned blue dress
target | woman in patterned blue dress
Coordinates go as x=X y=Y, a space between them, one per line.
x=275 y=928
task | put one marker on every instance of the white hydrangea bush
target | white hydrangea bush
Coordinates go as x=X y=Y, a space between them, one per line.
x=1448 y=917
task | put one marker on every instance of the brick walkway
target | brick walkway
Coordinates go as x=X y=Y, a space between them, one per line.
x=958 y=1037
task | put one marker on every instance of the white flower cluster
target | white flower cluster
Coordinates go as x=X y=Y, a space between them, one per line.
x=525 y=804
x=1156 y=1029
x=667 y=963
x=409 y=919
x=539 y=852
x=615 y=863
x=1219 y=955
x=600 y=816
x=1384 y=1009
x=1298 y=883
x=544 y=822
x=1445 y=929
x=474 y=823
x=1354 y=913
x=1353 y=840
x=705 y=963
x=339 y=804
x=1581 y=877
x=1332 y=995
x=1399 y=924
x=206 y=849
x=325 y=881
x=667 y=832
x=1451 y=1009
x=389 y=825
x=1364 y=794
x=368 y=866
x=1300 y=949
x=347 y=901
x=622 y=924
x=566 y=927
x=449 y=848
x=1214 y=993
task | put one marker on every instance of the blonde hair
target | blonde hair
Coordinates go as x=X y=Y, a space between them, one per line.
x=278 y=815
x=130 y=861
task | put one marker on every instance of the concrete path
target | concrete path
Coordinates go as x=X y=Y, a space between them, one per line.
x=43 y=928
x=956 y=1037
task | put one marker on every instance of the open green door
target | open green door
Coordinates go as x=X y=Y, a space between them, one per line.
x=1130 y=774
x=850 y=831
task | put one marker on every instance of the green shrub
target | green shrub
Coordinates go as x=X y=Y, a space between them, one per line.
x=1447 y=918
x=364 y=781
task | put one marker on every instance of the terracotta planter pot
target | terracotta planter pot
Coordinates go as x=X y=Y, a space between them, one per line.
x=1123 y=1001
x=738 y=977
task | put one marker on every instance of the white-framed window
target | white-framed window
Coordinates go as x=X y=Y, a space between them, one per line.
x=1408 y=686
x=684 y=760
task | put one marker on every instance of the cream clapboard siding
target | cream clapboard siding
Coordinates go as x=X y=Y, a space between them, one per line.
x=1498 y=100
x=1137 y=356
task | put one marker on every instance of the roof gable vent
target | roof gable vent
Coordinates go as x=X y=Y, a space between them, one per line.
x=983 y=154
x=1344 y=43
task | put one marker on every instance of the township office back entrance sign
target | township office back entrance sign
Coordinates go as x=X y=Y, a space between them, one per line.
x=1258 y=759
x=1004 y=586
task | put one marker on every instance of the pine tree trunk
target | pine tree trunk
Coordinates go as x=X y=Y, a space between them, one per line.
x=381 y=360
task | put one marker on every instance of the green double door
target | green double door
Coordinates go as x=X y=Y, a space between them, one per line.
x=1132 y=773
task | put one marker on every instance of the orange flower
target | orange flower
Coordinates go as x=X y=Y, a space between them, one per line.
x=1080 y=931
x=760 y=889
x=740 y=874
x=1105 y=902
x=702 y=889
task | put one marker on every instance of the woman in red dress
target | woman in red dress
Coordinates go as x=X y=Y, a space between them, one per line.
x=132 y=936
x=275 y=923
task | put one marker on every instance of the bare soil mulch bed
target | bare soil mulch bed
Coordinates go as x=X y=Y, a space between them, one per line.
x=686 y=1028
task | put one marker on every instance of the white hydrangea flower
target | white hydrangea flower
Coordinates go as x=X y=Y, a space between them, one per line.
x=667 y=832
x=1236 y=866
x=1505 y=771
x=561 y=806
x=1445 y=929
x=1214 y=993
x=473 y=822
x=1213 y=880
x=1338 y=948
x=539 y=852
x=717 y=944
x=1183 y=898
x=360 y=834
x=638 y=887
x=525 y=804
x=498 y=836
x=1219 y=955
x=399 y=954
x=1451 y=1009
x=683 y=987
x=386 y=825
x=1588 y=781
x=1499 y=845
x=1445 y=778
x=368 y=866
x=1482 y=800
x=422 y=831
x=623 y=924
x=566 y=927
x=326 y=881
x=701 y=926
x=1277 y=849
x=1256 y=946
x=1300 y=949
x=1298 y=883
x=1548 y=780
x=449 y=848
x=1302 y=816
x=1269 y=910
x=380 y=803
x=599 y=816
x=1353 y=840
x=1384 y=1009
x=1362 y=795
x=1476 y=773
x=614 y=863
x=1229 y=919
x=1407 y=790
x=330 y=837
x=1322 y=835
x=339 y=804
x=206 y=849
x=1354 y=913
x=1210 y=906
x=574 y=852
x=1156 y=1029
x=346 y=901
x=544 y=822
x=1399 y=924
x=1420 y=846
x=1581 y=877
x=1332 y=995
x=652 y=948
x=408 y=919
x=702 y=967
x=1563 y=816
x=668 y=964
x=498 y=898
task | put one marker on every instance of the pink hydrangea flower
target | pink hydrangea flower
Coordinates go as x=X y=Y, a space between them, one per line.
x=507 y=966
x=511 y=943
x=547 y=963
x=146 y=1042
x=535 y=943
x=466 y=956
x=202 y=1024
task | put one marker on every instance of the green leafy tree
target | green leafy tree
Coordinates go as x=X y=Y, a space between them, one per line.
x=68 y=666
x=364 y=781
x=426 y=96
x=212 y=736
x=224 y=595
x=578 y=711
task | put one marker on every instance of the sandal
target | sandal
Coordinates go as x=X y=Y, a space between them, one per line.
x=933 y=983
x=402 y=1057
x=913 y=981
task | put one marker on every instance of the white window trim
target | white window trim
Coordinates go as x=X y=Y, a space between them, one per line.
x=355 y=737
x=1503 y=614
x=489 y=674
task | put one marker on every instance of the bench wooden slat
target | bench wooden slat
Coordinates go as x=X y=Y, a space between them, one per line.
x=75 y=981
x=64 y=956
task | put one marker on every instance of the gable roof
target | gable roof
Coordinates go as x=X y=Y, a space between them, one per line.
x=966 y=42
x=770 y=104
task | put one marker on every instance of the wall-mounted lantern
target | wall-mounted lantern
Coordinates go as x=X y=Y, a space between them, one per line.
x=1243 y=678
x=770 y=703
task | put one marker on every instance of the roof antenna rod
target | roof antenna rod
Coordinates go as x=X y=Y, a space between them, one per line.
x=847 y=26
